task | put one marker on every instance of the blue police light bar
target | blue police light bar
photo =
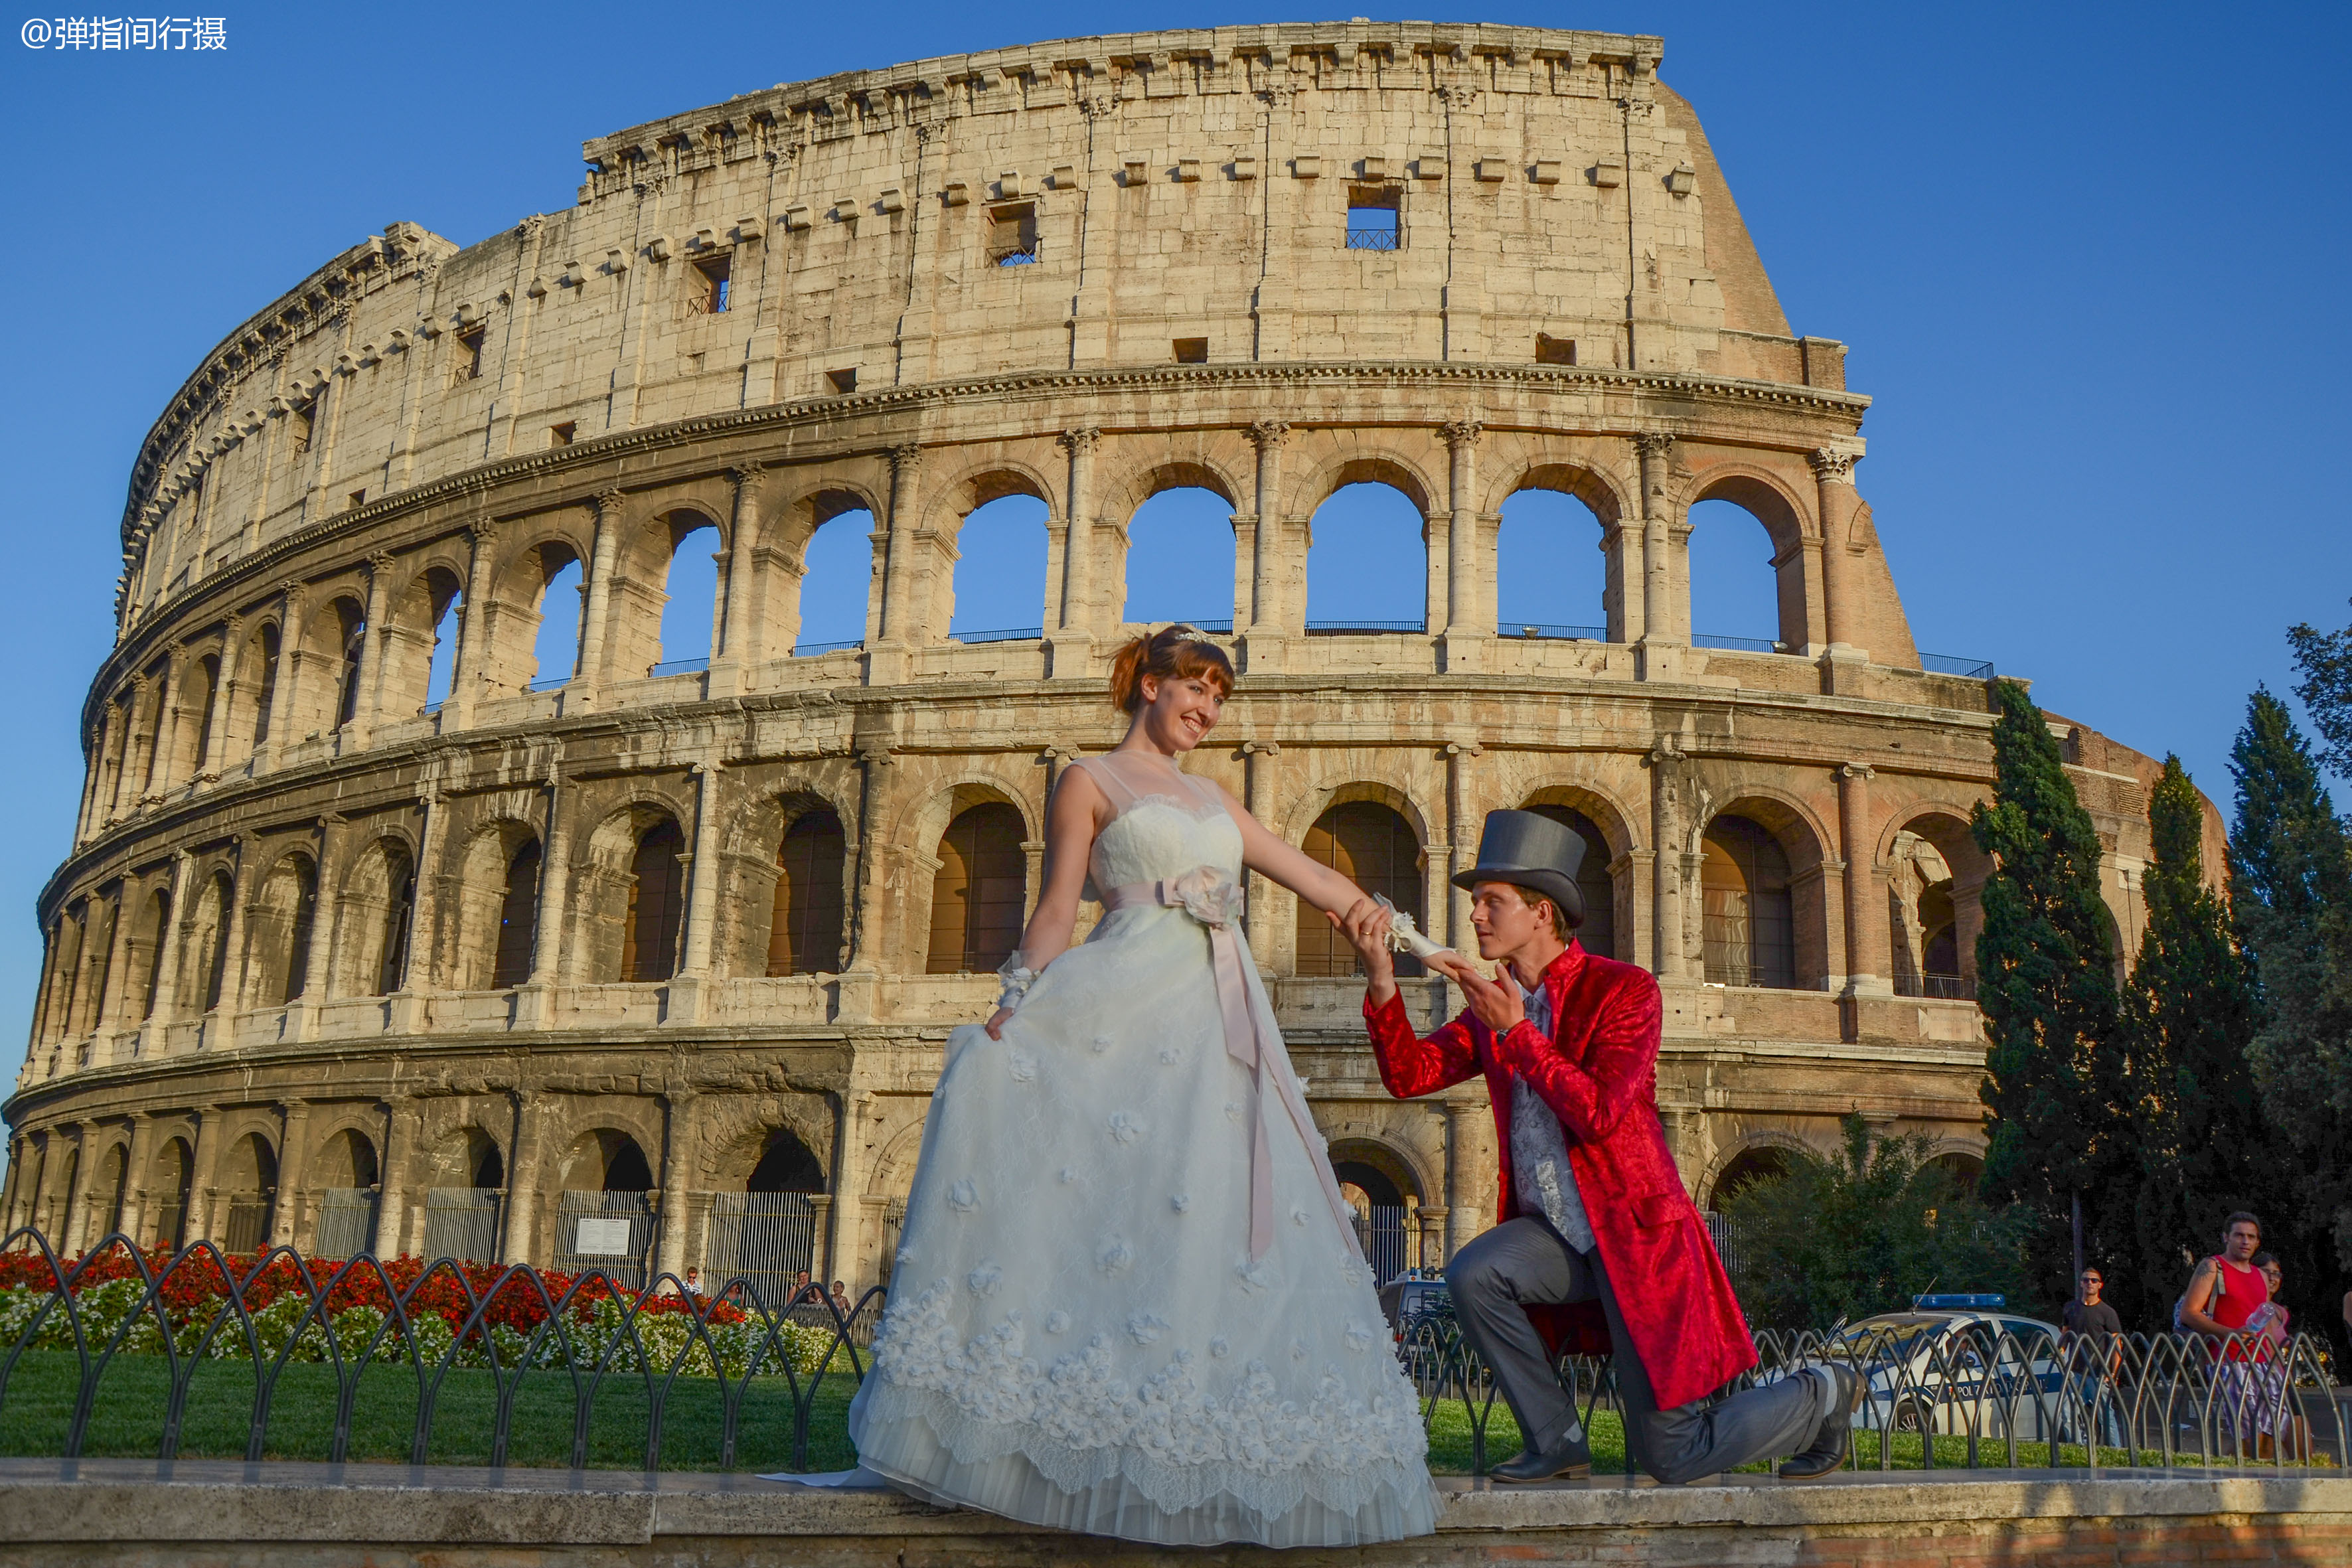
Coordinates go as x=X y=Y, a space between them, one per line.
x=1956 y=1303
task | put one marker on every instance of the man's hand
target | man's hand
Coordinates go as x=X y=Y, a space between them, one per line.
x=1366 y=927
x=1500 y=1008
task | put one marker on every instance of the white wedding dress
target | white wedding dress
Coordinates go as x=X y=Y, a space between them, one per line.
x=1078 y=1334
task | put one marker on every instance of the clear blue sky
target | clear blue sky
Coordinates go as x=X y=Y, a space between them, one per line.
x=2090 y=262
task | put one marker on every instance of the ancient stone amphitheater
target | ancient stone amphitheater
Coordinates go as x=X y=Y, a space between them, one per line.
x=402 y=913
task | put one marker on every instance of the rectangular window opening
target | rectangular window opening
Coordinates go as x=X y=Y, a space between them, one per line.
x=302 y=423
x=1372 y=218
x=843 y=380
x=1013 y=235
x=560 y=435
x=1550 y=350
x=710 y=296
x=1192 y=351
x=358 y=497
x=467 y=363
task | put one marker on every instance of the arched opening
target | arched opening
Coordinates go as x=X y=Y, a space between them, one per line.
x=107 y=1196
x=372 y=951
x=605 y=1218
x=785 y=1165
x=1964 y=1169
x=249 y=1191
x=207 y=951
x=104 y=917
x=1745 y=1170
x=1597 y=934
x=463 y=1197
x=265 y=692
x=1745 y=561
x=806 y=923
x=347 y=1159
x=61 y=1234
x=1552 y=579
x=1368 y=565
x=1374 y=847
x=158 y=731
x=689 y=608
x=352 y=651
x=1380 y=1189
x=281 y=921
x=66 y=943
x=1000 y=572
x=175 y=1169
x=837 y=584
x=981 y=891
x=555 y=645
x=147 y=941
x=656 y=904
x=441 y=664
x=517 y=933
x=1747 y=912
x=344 y=1177
x=1179 y=560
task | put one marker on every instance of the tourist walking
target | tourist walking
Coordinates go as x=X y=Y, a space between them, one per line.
x=1127 y=1297
x=1597 y=1245
x=2224 y=1292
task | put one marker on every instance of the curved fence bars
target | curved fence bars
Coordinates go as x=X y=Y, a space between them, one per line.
x=543 y=1367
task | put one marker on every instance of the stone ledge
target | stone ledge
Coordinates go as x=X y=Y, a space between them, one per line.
x=90 y=1502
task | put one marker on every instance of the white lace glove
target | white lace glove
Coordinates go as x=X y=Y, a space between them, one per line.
x=1017 y=977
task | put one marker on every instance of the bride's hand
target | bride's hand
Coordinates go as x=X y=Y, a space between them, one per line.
x=995 y=1025
x=1366 y=927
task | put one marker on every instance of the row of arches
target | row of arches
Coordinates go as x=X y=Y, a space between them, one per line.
x=638 y=587
x=272 y=936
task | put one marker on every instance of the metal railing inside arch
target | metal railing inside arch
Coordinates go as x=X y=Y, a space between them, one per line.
x=205 y=1354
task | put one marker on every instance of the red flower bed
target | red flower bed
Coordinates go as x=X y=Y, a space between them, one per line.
x=454 y=1291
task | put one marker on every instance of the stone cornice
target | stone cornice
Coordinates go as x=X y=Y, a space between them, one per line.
x=1845 y=407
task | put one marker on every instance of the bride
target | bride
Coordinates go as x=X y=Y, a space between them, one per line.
x=1127 y=1298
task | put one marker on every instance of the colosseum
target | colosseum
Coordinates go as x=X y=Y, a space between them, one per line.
x=427 y=896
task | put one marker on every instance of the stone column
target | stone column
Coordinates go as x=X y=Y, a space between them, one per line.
x=1468 y=566
x=425 y=945
x=232 y=673
x=687 y=991
x=325 y=917
x=286 y=696
x=293 y=1170
x=1968 y=918
x=889 y=661
x=233 y=971
x=1461 y=846
x=167 y=971
x=1833 y=479
x=1463 y=1119
x=676 y=1177
x=1258 y=794
x=1669 y=782
x=734 y=656
x=134 y=1176
x=376 y=647
x=401 y=1117
x=596 y=599
x=554 y=890
x=1266 y=614
x=866 y=941
x=466 y=665
x=118 y=966
x=1660 y=621
x=1076 y=615
x=523 y=1182
x=73 y=1219
x=204 y=1171
x=1866 y=937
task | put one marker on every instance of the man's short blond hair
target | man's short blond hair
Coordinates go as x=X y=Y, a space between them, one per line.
x=1529 y=896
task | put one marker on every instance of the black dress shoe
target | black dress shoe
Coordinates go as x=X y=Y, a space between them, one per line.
x=1827 y=1452
x=1569 y=1459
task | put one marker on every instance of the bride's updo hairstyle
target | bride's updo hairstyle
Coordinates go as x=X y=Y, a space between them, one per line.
x=1172 y=653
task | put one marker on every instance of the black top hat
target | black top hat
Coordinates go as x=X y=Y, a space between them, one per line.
x=1534 y=852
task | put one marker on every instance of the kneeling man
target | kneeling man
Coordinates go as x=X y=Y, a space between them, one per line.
x=1598 y=1247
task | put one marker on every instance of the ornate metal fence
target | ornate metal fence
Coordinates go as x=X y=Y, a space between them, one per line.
x=539 y=1358
x=1970 y=1395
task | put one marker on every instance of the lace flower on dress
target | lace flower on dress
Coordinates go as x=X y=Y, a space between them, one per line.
x=1114 y=1255
x=1145 y=1327
x=983 y=1281
x=1126 y=1126
x=1057 y=1322
x=963 y=1197
x=1021 y=1065
x=1254 y=1275
x=1179 y=1201
x=1359 y=1338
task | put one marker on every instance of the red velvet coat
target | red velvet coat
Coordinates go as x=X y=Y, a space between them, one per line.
x=1599 y=1074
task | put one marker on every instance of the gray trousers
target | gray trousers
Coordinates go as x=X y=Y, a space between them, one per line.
x=1524 y=1262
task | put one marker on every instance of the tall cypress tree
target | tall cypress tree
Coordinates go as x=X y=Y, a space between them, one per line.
x=2187 y=1020
x=2291 y=894
x=2045 y=980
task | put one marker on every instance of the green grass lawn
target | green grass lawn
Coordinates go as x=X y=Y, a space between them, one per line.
x=127 y=1416
x=128 y=1422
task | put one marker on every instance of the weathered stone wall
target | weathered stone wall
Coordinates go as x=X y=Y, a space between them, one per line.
x=417 y=425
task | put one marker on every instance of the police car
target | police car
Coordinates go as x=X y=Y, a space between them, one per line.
x=1955 y=1365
